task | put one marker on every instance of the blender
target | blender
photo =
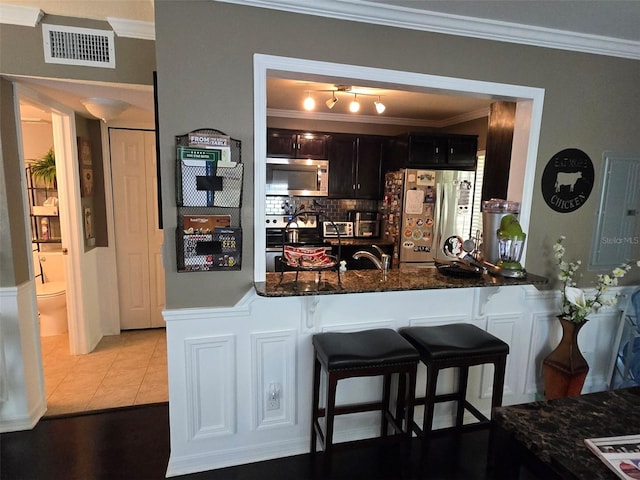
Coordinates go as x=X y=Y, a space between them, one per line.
x=492 y=212
x=510 y=247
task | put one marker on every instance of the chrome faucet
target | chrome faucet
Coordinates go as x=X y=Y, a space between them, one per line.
x=370 y=256
x=381 y=263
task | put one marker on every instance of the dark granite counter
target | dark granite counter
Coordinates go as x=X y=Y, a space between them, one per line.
x=553 y=433
x=365 y=281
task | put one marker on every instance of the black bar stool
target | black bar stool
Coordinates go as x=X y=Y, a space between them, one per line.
x=459 y=345
x=363 y=354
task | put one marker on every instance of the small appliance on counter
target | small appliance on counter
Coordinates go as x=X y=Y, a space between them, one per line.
x=365 y=224
x=492 y=212
x=510 y=247
x=331 y=229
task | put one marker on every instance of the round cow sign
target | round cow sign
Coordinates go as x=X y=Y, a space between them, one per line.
x=567 y=180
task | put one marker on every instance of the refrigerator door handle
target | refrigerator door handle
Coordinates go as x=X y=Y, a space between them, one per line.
x=439 y=214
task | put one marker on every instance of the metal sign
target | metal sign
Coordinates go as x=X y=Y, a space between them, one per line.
x=567 y=180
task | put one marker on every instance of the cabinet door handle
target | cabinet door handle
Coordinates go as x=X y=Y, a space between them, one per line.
x=451 y=150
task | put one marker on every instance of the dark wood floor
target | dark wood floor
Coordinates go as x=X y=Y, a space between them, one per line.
x=133 y=443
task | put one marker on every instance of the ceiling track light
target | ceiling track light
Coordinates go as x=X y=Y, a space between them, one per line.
x=332 y=101
x=354 y=106
x=309 y=102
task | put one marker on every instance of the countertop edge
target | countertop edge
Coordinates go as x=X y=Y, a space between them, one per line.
x=373 y=281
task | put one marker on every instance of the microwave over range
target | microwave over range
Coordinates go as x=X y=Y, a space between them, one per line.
x=299 y=177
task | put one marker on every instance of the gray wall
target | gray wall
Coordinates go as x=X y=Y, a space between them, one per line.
x=13 y=241
x=22 y=54
x=89 y=128
x=205 y=52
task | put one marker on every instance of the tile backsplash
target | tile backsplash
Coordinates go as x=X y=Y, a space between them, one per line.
x=335 y=209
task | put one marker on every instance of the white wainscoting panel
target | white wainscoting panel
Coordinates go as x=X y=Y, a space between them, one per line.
x=542 y=341
x=23 y=397
x=211 y=382
x=274 y=367
x=508 y=328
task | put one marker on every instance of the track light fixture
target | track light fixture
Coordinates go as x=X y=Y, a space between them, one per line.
x=354 y=106
x=332 y=101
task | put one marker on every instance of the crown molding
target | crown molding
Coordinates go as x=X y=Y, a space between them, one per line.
x=30 y=17
x=18 y=15
x=417 y=19
x=378 y=119
x=133 y=28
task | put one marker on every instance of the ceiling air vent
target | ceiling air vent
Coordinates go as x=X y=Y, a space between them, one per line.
x=78 y=46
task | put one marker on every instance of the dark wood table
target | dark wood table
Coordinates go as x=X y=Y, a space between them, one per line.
x=548 y=437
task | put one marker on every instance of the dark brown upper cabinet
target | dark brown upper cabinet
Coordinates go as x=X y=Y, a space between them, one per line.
x=296 y=144
x=421 y=150
x=355 y=166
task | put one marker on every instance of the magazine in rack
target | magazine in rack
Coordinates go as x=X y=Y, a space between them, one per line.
x=620 y=454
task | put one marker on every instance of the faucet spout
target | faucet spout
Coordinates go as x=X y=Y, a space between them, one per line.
x=369 y=256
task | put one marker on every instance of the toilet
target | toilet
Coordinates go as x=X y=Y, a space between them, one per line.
x=51 y=295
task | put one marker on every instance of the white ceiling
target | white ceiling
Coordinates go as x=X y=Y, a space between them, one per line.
x=613 y=20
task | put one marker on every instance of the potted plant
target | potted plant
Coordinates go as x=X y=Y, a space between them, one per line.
x=44 y=168
x=565 y=369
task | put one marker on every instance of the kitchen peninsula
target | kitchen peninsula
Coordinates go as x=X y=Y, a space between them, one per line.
x=367 y=281
x=241 y=376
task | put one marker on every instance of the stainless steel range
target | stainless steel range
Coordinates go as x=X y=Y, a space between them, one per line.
x=283 y=229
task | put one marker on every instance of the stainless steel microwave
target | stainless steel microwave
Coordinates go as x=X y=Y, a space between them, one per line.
x=299 y=177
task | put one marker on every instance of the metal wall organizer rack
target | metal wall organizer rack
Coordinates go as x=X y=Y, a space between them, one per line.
x=209 y=177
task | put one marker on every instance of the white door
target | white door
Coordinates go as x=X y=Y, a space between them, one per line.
x=138 y=238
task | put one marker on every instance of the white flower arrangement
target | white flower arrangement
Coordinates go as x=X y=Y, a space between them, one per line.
x=576 y=305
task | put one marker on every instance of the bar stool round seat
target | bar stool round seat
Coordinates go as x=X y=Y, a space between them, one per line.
x=460 y=345
x=376 y=352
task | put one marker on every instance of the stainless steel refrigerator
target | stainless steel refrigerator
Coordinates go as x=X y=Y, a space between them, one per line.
x=425 y=211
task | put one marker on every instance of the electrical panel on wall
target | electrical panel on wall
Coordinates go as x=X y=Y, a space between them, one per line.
x=616 y=238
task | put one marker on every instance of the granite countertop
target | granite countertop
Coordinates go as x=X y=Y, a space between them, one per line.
x=364 y=281
x=554 y=431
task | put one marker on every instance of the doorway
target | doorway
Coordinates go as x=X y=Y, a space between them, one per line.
x=45 y=217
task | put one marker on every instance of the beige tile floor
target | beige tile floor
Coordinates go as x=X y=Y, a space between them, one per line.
x=126 y=369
